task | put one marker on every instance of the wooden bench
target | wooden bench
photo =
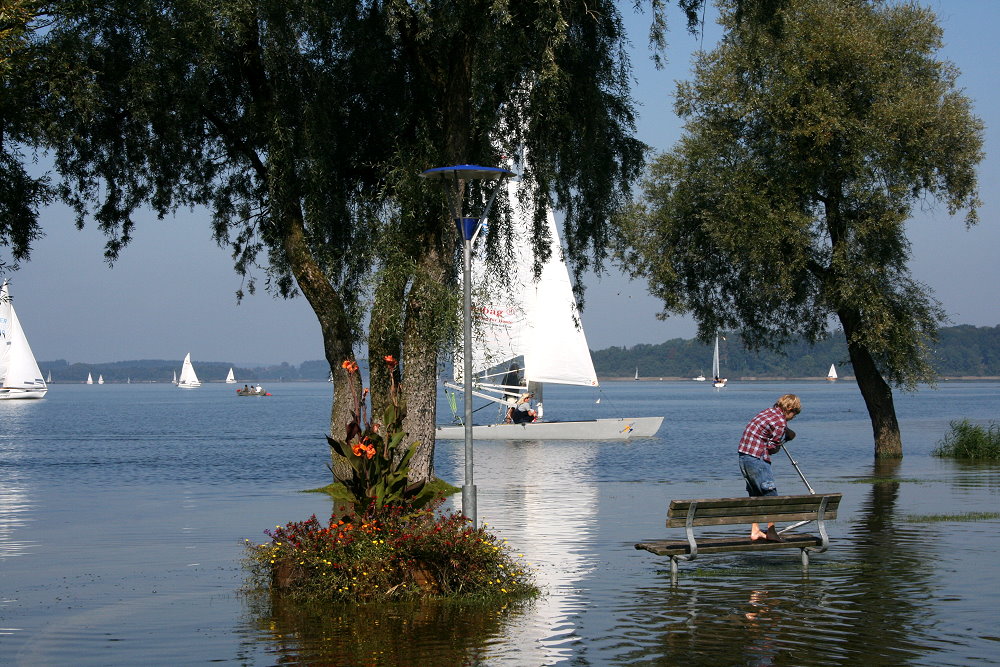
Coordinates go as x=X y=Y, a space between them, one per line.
x=726 y=511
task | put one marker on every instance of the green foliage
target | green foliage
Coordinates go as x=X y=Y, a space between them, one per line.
x=387 y=553
x=969 y=441
x=373 y=449
x=807 y=142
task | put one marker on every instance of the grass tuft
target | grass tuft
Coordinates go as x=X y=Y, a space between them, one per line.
x=970 y=442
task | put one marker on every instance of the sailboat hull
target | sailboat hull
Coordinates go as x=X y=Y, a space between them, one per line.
x=595 y=429
x=7 y=393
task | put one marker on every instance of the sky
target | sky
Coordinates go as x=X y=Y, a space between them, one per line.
x=173 y=289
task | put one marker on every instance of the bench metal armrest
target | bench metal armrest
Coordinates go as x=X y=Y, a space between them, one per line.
x=689 y=529
x=821 y=526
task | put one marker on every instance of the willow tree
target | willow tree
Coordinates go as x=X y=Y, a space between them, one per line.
x=21 y=193
x=302 y=126
x=782 y=210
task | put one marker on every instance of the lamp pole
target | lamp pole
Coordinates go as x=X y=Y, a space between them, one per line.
x=468 y=228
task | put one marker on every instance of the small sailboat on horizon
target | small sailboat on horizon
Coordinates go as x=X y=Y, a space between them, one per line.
x=20 y=376
x=231 y=378
x=90 y=379
x=832 y=374
x=717 y=380
x=189 y=379
x=100 y=379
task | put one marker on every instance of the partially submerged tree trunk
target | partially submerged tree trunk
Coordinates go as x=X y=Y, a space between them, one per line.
x=876 y=392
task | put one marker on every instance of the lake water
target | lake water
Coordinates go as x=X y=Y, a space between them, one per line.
x=123 y=510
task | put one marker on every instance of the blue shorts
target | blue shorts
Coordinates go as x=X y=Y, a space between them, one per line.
x=757 y=473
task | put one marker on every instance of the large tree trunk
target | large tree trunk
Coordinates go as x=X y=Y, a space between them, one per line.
x=420 y=346
x=337 y=338
x=874 y=389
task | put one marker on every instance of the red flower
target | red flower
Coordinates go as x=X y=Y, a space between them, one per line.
x=349 y=366
x=391 y=361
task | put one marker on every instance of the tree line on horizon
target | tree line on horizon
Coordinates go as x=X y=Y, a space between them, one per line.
x=962 y=351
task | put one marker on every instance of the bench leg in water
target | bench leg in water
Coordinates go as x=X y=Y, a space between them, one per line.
x=805 y=559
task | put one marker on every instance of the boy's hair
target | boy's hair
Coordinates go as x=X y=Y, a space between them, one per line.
x=789 y=403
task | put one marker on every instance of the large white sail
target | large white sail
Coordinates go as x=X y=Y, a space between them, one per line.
x=231 y=378
x=188 y=379
x=20 y=376
x=832 y=374
x=536 y=319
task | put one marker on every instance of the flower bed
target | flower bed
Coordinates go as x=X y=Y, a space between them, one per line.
x=392 y=553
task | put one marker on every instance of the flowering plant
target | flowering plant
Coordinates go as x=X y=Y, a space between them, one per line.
x=372 y=447
x=389 y=554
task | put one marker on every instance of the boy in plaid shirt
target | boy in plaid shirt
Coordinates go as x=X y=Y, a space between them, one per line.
x=762 y=437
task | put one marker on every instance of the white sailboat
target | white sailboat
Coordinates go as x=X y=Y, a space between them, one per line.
x=231 y=378
x=174 y=381
x=20 y=376
x=90 y=379
x=636 y=372
x=717 y=380
x=48 y=380
x=536 y=320
x=700 y=377
x=832 y=374
x=188 y=379
x=100 y=379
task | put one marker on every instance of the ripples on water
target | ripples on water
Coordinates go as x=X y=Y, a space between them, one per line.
x=123 y=509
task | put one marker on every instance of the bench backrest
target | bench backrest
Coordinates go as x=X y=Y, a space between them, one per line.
x=761 y=509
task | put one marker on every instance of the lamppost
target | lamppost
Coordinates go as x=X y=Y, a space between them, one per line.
x=468 y=229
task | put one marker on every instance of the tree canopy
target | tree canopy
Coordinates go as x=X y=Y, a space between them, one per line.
x=808 y=140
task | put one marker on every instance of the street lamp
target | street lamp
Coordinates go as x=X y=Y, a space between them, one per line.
x=468 y=229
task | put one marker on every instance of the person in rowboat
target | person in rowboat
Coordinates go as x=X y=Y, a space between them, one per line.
x=762 y=437
x=522 y=413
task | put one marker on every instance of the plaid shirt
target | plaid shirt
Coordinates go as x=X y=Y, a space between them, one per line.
x=764 y=434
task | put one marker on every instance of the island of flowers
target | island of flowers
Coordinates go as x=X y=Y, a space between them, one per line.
x=393 y=541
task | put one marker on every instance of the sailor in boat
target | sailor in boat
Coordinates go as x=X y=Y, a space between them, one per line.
x=522 y=413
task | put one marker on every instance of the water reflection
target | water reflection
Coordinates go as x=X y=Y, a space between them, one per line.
x=549 y=507
x=887 y=593
x=431 y=633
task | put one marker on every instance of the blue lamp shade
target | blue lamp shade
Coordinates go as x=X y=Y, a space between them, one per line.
x=467 y=227
x=468 y=172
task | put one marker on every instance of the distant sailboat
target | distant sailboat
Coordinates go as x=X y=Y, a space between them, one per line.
x=174 y=381
x=20 y=376
x=48 y=380
x=188 y=379
x=717 y=380
x=231 y=378
x=100 y=379
x=636 y=372
x=700 y=378
x=90 y=379
x=832 y=375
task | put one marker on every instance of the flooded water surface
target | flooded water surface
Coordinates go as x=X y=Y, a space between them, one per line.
x=123 y=511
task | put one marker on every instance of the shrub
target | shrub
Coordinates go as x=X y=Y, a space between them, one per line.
x=970 y=441
x=393 y=552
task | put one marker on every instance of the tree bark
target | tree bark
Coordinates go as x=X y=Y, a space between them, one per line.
x=421 y=348
x=875 y=391
x=338 y=345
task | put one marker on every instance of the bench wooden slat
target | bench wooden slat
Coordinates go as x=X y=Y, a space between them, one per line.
x=726 y=544
x=728 y=511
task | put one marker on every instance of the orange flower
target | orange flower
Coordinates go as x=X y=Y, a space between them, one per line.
x=349 y=366
x=369 y=451
x=391 y=361
x=358 y=449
